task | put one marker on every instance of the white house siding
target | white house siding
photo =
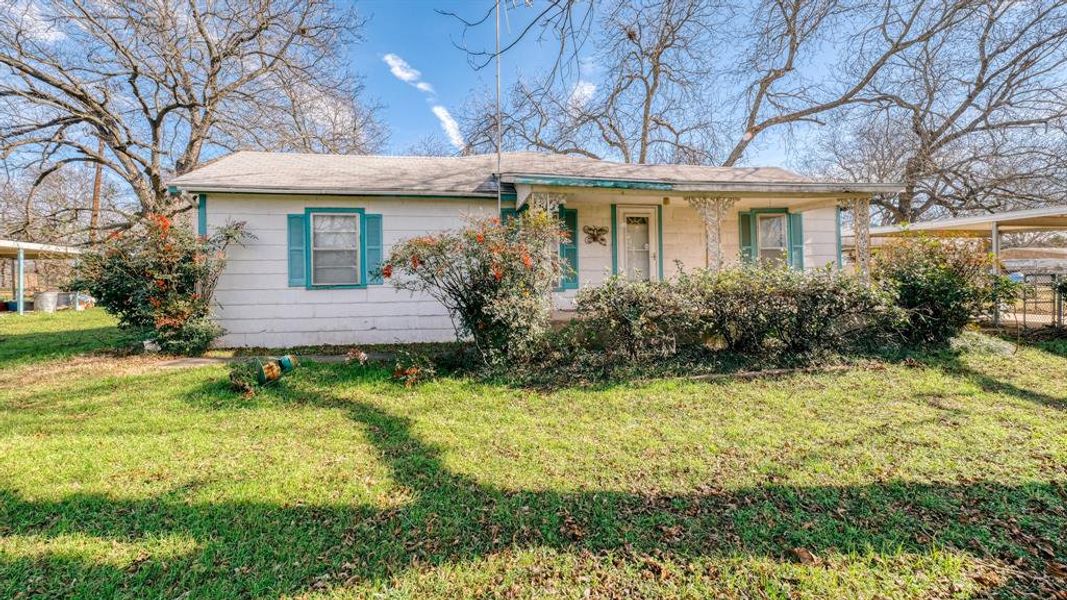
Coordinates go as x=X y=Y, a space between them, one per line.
x=820 y=237
x=258 y=308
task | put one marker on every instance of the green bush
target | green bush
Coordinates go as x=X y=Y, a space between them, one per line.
x=494 y=278
x=244 y=376
x=941 y=285
x=747 y=310
x=771 y=310
x=160 y=278
x=190 y=338
x=634 y=319
x=413 y=368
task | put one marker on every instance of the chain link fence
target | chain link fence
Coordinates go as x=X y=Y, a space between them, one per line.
x=1039 y=305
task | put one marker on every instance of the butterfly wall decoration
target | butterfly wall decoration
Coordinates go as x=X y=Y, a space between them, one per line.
x=595 y=235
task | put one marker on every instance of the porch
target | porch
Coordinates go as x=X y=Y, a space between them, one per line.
x=652 y=230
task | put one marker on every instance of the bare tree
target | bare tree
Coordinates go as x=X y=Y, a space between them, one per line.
x=165 y=83
x=971 y=120
x=645 y=110
x=703 y=80
x=56 y=210
x=430 y=145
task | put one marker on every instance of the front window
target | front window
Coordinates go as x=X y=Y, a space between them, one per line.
x=335 y=249
x=771 y=235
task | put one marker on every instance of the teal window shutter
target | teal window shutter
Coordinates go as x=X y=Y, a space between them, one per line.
x=297 y=275
x=507 y=215
x=201 y=216
x=374 y=250
x=746 y=241
x=796 y=240
x=568 y=249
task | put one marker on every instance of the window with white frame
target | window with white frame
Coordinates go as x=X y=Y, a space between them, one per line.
x=335 y=243
x=772 y=236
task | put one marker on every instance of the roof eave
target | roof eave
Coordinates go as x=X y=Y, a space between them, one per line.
x=199 y=188
x=776 y=187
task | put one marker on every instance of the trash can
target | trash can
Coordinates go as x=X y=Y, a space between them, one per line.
x=46 y=302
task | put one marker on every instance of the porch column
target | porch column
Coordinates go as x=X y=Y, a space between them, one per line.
x=712 y=209
x=861 y=234
x=20 y=278
x=549 y=202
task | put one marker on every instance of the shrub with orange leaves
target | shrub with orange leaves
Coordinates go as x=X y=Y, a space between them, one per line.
x=160 y=278
x=494 y=278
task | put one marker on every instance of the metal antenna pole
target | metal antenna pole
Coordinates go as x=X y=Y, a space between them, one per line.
x=499 y=201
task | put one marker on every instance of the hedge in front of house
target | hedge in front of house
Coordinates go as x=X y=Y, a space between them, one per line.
x=745 y=310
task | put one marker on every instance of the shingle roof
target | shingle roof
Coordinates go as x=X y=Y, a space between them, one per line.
x=466 y=175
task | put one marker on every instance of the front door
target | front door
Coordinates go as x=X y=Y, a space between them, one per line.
x=638 y=243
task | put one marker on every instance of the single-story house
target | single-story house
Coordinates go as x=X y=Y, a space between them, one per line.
x=323 y=223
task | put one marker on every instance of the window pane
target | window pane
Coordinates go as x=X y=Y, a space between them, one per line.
x=335 y=256
x=638 y=254
x=336 y=231
x=772 y=231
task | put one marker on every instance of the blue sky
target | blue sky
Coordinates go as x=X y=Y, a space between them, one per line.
x=407 y=39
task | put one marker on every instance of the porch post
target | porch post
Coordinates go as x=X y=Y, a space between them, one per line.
x=712 y=209
x=550 y=203
x=861 y=234
x=20 y=278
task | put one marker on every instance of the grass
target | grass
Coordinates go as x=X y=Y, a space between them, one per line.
x=942 y=476
x=37 y=337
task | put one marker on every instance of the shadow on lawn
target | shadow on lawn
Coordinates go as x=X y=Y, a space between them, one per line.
x=258 y=549
x=951 y=362
x=25 y=348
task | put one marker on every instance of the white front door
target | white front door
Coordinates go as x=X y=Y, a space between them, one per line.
x=638 y=243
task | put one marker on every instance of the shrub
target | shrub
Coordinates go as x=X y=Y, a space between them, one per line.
x=244 y=377
x=942 y=285
x=413 y=368
x=637 y=319
x=160 y=278
x=494 y=278
x=191 y=338
x=759 y=310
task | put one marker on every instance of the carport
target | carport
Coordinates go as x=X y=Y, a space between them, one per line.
x=20 y=252
x=1041 y=304
x=991 y=226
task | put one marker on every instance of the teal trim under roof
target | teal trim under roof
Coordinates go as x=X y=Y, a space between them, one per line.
x=595 y=183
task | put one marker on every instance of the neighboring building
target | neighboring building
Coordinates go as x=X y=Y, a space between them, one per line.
x=323 y=223
x=1034 y=260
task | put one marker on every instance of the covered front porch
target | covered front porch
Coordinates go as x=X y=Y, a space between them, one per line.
x=652 y=229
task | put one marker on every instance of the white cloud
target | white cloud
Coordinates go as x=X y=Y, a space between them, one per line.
x=450 y=126
x=401 y=69
x=408 y=74
x=581 y=94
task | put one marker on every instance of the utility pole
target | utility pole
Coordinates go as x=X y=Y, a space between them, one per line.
x=499 y=182
x=94 y=216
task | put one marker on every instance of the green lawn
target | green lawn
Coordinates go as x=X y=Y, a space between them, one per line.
x=939 y=477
